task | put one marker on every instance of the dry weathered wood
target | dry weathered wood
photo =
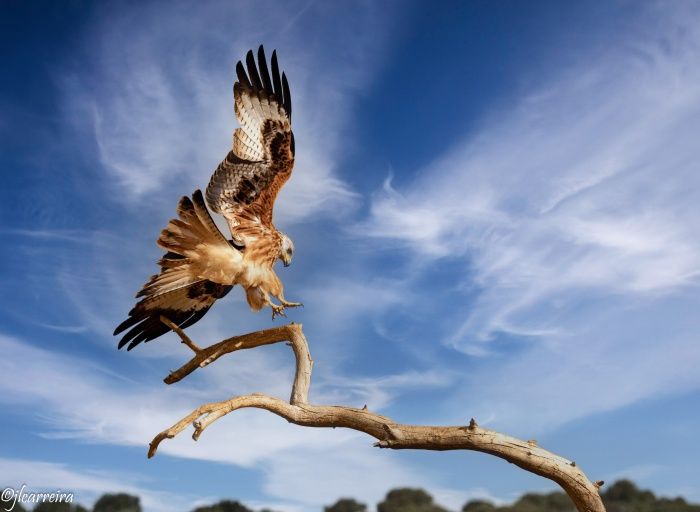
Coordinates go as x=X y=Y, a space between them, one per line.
x=204 y=356
x=388 y=433
x=176 y=329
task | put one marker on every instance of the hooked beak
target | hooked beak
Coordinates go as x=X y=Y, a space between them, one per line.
x=286 y=263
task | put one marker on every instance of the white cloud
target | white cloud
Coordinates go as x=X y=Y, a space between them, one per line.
x=111 y=409
x=355 y=469
x=341 y=300
x=162 y=110
x=134 y=415
x=376 y=392
x=617 y=353
x=577 y=213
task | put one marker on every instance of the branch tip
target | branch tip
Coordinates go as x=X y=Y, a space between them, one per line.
x=473 y=424
x=183 y=337
x=599 y=483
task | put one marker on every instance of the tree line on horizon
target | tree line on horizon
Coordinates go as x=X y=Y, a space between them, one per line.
x=622 y=496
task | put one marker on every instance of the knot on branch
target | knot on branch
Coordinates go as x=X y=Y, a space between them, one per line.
x=392 y=433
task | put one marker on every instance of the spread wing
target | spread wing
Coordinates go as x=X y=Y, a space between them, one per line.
x=178 y=292
x=244 y=186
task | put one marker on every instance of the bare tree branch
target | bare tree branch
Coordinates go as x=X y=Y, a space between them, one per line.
x=388 y=433
x=204 y=356
x=176 y=329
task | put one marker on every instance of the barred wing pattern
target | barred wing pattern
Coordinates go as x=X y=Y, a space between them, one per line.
x=244 y=186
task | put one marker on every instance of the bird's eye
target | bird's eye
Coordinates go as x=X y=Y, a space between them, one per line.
x=289 y=251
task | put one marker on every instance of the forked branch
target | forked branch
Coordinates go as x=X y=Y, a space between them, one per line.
x=388 y=433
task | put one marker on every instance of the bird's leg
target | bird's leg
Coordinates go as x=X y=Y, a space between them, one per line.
x=277 y=309
x=288 y=304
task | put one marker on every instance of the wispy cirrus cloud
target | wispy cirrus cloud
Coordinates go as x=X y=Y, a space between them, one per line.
x=108 y=408
x=575 y=212
x=566 y=226
x=160 y=103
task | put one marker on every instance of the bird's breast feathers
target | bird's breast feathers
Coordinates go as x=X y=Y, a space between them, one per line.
x=226 y=265
x=217 y=263
x=255 y=275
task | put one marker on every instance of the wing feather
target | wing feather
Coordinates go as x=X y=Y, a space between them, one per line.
x=183 y=290
x=183 y=306
x=253 y=70
x=241 y=74
x=247 y=117
x=246 y=182
x=245 y=147
x=264 y=73
x=287 y=103
x=276 y=80
x=254 y=99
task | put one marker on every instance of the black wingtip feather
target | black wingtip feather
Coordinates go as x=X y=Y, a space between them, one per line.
x=253 y=70
x=276 y=82
x=241 y=74
x=194 y=318
x=155 y=329
x=260 y=77
x=141 y=327
x=264 y=72
x=125 y=325
x=287 y=96
x=145 y=325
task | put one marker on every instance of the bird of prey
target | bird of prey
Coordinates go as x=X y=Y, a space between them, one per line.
x=201 y=265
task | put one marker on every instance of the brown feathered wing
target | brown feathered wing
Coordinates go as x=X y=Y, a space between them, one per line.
x=178 y=292
x=245 y=185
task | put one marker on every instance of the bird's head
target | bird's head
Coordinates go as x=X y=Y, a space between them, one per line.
x=286 y=250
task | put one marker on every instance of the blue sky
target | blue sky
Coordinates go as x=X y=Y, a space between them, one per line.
x=495 y=213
